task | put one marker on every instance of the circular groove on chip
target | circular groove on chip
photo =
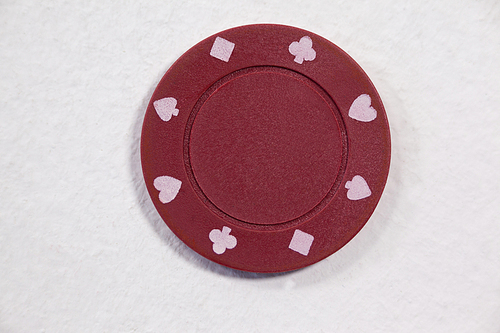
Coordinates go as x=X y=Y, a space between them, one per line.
x=265 y=148
x=261 y=162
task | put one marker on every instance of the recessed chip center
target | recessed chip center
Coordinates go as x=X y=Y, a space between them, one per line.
x=265 y=145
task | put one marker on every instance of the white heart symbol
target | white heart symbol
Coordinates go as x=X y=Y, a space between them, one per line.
x=165 y=108
x=362 y=110
x=302 y=50
x=357 y=188
x=222 y=240
x=168 y=187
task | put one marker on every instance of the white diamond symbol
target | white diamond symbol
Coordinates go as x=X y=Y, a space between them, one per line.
x=301 y=242
x=222 y=49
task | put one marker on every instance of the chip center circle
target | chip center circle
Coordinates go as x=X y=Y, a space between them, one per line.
x=265 y=145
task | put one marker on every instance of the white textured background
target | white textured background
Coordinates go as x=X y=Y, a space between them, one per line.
x=83 y=250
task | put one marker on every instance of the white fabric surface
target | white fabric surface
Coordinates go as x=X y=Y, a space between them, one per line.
x=83 y=250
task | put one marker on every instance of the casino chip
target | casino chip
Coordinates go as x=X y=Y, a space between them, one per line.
x=265 y=148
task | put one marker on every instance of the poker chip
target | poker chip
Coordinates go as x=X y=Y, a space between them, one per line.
x=265 y=148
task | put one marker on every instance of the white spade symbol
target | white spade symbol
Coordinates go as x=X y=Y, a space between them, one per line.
x=165 y=108
x=357 y=188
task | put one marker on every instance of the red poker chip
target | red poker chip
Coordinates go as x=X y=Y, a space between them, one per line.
x=265 y=148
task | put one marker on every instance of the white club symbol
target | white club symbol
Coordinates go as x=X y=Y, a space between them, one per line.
x=357 y=188
x=165 y=108
x=302 y=50
x=222 y=240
